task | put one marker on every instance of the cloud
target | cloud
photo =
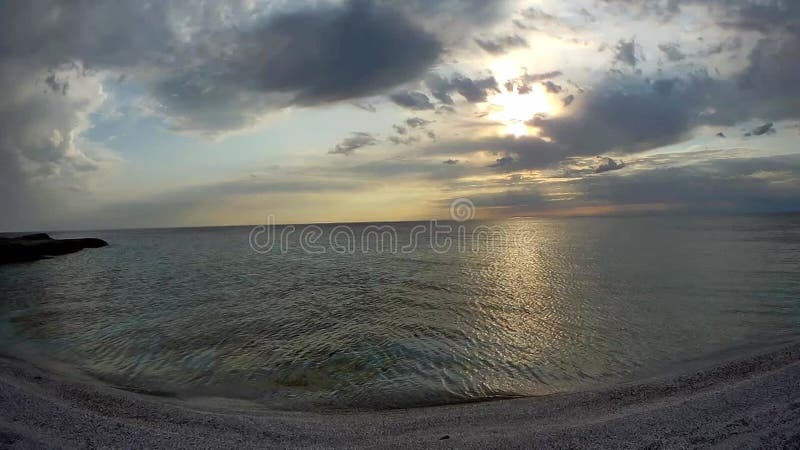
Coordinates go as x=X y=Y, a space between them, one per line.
x=204 y=67
x=747 y=15
x=609 y=165
x=534 y=77
x=628 y=113
x=724 y=184
x=337 y=53
x=112 y=34
x=41 y=153
x=772 y=77
x=523 y=82
x=761 y=130
x=53 y=83
x=210 y=74
x=763 y=16
x=454 y=20
x=627 y=52
x=403 y=140
x=503 y=163
x=413 y=100
x=720 y=183
x=528 y=151
x=450 y=162
x=626 y=116
x=731 y=44
x=411 y=131
x=672 y=51
x=500 y=45
x=352 y=143
x=473 y=90
x=552 y=87
x=417 y=122
x=307 y=57
x=217 y=67
x=368 y=107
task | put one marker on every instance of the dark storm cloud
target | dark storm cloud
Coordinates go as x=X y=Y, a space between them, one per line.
x=315 y=56
x=473 y=90
x=412 y=100
x=501 y=44
x=336 y=53
x=352 y=143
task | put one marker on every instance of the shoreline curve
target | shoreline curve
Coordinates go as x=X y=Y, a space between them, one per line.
x=750 y=402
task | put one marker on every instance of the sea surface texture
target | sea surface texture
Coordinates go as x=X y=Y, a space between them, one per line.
x=537 y=306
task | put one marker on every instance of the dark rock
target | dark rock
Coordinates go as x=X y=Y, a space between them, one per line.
x=35 y=237
x=38 y=246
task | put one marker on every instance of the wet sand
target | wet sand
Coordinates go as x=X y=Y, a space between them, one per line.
x=753 y=402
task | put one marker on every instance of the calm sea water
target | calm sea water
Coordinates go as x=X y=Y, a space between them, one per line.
x=579 y=302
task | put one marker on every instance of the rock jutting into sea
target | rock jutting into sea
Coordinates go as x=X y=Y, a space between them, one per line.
x=33 y=247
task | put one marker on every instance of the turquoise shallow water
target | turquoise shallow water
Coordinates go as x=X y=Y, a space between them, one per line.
x=555 y=305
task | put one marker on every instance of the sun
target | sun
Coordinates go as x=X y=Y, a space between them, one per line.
x=513 y=109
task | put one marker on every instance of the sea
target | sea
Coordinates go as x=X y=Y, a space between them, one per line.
x=401 y=315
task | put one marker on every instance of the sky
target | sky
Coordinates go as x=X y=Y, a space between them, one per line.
x=191 y=113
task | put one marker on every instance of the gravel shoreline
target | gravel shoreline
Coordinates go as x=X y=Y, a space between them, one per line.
x=749 y=403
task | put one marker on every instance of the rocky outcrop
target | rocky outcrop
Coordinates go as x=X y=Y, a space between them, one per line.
x=38 y=246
